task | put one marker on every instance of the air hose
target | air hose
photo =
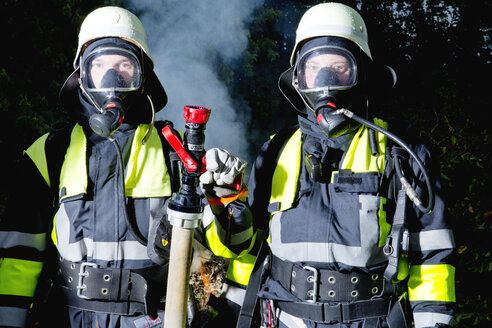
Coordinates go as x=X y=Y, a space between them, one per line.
x=411 y=193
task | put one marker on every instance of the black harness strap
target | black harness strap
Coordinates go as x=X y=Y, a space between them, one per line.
x=347 y=312
x=250 y=309
x=113 y=290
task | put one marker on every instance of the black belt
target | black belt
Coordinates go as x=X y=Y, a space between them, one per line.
x=313 y=285
x=112 y=290
x=326 y=313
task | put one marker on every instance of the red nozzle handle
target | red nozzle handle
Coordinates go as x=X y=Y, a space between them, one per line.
x=175 y=142
x=196 y=114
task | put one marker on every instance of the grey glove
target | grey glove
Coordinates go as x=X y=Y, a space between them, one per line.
x=222 y=181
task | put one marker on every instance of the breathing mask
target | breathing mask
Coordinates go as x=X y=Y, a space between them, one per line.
x=327 y=76
x=109 y=75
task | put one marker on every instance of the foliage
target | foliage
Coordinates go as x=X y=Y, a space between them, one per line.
x=39 y=46
x=440 y=49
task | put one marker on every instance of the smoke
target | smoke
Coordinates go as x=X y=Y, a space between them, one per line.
x=187 y=39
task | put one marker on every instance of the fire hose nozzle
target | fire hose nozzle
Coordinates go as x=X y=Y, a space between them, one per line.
x=185 y=211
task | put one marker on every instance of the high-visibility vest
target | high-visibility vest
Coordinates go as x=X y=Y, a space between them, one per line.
x=146 y=176
x=432 y=282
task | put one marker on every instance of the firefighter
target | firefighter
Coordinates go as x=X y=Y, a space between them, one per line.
x=75 y=242
x=345 y=245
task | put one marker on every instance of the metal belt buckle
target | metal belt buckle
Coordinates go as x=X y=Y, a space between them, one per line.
x=314 y=279
x=82 y=274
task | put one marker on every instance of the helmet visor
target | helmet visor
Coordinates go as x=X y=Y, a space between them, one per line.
x=326 y=67
x=111 y=69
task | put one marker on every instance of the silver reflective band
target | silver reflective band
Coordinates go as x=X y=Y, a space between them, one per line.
x=241 y=237
x=184 y=220
x=367 y=254
x=233 y=293
x=10 y=239
x=13 y=316
x=432 y=240
x=430 y=319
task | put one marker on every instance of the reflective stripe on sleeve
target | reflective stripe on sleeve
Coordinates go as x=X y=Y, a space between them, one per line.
x=218 y=248
x=241 y=237
x=432 y=240
x=10 y=239
x=19 y=277
x=432 y=282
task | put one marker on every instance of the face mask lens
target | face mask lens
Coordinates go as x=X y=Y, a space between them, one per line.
x=111 y=69
x=326 y=67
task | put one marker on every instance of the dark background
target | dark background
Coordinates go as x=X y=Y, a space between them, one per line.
x=440 y=49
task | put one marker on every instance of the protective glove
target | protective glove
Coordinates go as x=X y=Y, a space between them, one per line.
x=222 y=181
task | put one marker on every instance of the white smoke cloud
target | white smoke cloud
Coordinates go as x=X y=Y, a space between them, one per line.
x=185 y=37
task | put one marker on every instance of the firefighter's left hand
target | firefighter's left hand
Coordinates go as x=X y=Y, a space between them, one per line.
x=222 y=181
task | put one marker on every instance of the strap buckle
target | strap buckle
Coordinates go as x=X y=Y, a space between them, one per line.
x=314 y=279
x=82 y=274
x=333 y=313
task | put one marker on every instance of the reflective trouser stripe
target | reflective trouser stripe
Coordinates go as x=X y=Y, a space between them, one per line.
x=430 y=319
x=19 y=277
x=432 y=282
x=290 y=321
x=233 y=293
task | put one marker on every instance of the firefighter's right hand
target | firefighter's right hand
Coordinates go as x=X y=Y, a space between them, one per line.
x=222 y=181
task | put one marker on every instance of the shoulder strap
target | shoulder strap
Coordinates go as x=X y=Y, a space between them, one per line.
x=264 y=175
x=249 y=314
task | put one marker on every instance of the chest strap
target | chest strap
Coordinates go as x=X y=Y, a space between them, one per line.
x=313 y=285
x=112 y=290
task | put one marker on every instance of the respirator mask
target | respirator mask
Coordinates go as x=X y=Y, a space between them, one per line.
x=109 y=76
x=326 y=76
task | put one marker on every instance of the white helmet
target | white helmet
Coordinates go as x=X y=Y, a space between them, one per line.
x=331 y=19
x=111 y=22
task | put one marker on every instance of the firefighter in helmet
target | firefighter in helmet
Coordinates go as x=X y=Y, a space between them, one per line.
x=345 y=245
x=79 y=252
